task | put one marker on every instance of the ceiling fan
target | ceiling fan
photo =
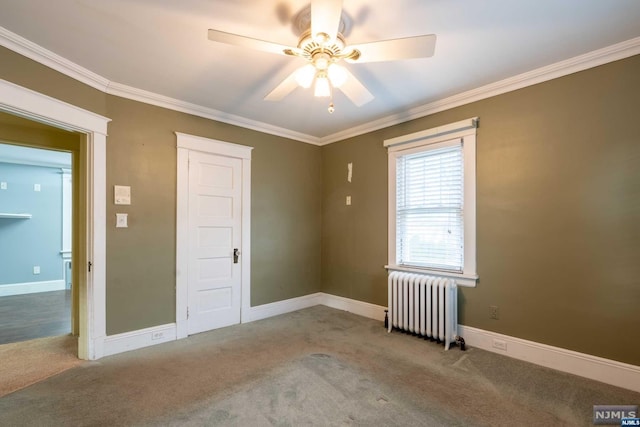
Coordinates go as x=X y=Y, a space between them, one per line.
x=323 y=46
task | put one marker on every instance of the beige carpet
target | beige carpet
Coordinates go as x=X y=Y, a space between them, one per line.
x=27 y=362
x=317 y=366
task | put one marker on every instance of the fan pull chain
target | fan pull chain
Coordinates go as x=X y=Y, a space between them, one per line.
x=331 y=108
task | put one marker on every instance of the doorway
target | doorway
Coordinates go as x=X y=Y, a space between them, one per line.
x=90 y=257
x=36 y=222
x=213 y=254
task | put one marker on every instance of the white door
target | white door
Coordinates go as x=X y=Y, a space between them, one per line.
x=215 y=219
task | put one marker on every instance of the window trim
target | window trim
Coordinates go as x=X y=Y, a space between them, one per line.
x=465 y=130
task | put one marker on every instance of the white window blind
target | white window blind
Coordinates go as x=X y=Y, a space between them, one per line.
x=429 y=208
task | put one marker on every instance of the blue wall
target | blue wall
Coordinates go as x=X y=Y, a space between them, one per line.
x=25 y=243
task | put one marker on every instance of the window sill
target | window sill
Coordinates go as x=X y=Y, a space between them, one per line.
x=465 y=280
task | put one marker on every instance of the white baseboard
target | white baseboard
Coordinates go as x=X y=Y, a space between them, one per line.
x=596 y=368
x=360 y=308
x=133 y=340
x=585 y=365
x=264 y=311
x=31 y=287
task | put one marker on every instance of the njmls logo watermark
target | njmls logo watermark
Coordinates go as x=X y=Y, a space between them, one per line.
x=615 y=414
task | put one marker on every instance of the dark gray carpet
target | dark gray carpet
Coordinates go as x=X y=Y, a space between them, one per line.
x=318 y=366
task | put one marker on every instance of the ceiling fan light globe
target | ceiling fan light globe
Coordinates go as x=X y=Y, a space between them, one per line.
x=305 y=76
x=322 y=88
x=337 y=75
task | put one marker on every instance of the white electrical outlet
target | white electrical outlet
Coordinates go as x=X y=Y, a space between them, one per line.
x=3 y=185
x=499 y=344
x=157 y=335
x=36 y=269
x=36 y=187
x=348 y=201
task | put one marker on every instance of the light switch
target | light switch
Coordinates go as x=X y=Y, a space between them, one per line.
x=121 y=220
x=36 y=269
x=122 y=194
x=348 y=202
x=3 y=185
x=36 y=187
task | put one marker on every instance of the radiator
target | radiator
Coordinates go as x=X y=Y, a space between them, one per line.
x=424 y=305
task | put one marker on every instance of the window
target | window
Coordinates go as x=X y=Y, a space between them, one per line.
x=432 y=202
x=429 y=208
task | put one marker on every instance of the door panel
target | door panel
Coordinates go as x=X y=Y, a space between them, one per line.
x=215 y=197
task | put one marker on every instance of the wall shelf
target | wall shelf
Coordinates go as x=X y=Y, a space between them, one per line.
x=15 y=215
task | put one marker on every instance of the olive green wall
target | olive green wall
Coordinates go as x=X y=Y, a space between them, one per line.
x=558 y=208
x=141 y=152
x=558 y=212
x=23 y=71
x=285 y=213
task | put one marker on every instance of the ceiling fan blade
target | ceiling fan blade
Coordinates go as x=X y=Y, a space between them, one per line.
x=355 y=91
x=392 y=50
x=325 y=17
x=287 y=86
x=236 y=40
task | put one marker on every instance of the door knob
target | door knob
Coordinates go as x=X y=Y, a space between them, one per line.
x=236 y=254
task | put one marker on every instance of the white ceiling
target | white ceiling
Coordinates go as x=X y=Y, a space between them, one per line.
x=161 y=46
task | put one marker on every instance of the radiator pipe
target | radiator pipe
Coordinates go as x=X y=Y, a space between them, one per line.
x=460 y=341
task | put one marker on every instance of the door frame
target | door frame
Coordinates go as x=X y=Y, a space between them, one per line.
x=15 y=99
x=185 y=144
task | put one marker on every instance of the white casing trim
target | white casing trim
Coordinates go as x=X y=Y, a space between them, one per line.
x=598 y=57
x=468 y=281
x=419 y=141
x=31 y=287
x=585 y=365
x=36 y=106
x=134 y=340
x=432 y=136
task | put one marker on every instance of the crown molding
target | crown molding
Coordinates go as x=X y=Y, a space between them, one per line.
x=52 y=60
x=56 y=62
x=152 y=98
x=592 y=59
